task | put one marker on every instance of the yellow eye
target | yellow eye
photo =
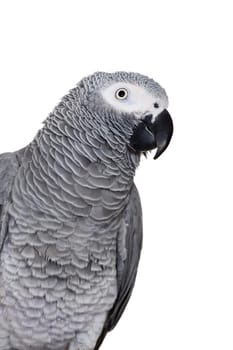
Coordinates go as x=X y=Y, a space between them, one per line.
x=121 y=94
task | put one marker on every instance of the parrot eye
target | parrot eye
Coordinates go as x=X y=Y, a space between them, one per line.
x=121 y=94
x=156 y=105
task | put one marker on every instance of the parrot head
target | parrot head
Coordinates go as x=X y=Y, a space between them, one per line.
x=130 y=99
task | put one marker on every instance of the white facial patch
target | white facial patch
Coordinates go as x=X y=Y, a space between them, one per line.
x=137 y=99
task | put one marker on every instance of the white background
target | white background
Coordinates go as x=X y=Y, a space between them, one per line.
x=184 y=292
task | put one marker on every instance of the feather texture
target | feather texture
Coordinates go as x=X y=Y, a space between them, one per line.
x=129 y=245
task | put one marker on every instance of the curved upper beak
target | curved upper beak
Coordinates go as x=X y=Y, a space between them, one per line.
x=149 y=135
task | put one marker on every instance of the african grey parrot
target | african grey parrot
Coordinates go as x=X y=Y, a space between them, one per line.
x=70 y=214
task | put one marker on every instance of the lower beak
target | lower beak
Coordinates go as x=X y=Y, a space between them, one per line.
x=148 y=135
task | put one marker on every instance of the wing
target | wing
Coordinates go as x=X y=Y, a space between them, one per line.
x=128 y=255
x=9 y=163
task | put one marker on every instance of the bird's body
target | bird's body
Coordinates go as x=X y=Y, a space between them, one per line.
x=70 y=229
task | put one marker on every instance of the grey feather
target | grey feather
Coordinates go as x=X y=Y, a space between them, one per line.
x=129 y=245
x=8 y=168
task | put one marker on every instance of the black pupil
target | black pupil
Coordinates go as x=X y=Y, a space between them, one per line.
x=156 y=105
x=121 y=93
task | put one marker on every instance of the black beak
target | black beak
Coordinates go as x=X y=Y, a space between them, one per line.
x=149 y=135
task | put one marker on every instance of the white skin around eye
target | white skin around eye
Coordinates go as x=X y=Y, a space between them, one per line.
x=139 y=100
